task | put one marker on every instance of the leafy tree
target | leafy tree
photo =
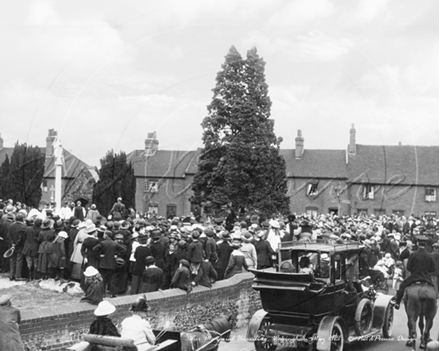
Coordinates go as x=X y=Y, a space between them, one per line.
x=26 y=172
x=4 y=178
x=240 y=165
x=116 y=179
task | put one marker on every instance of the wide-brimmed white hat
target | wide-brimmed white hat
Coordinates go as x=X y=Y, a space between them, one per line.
x=90 y=271
x=274 y=223
x=104 y=309
x=63 y=234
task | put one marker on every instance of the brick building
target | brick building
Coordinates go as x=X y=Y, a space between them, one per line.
x=361 y=179
x=77 y=177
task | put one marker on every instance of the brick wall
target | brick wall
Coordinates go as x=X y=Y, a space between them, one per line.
x=61 y=326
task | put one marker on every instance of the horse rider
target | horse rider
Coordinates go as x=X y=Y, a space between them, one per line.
x=420 y=264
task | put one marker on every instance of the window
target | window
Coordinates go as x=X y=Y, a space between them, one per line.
x=44 y=185
x=153 y=209
x=152 y=186
x=312 y=189
x=430 y=195
x=398 y=212
x=368 y=192
x=312 y=212
x=333 y=211
x=362 y=212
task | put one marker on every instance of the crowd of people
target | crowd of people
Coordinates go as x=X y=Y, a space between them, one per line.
x=127 y=254
x=130 y=254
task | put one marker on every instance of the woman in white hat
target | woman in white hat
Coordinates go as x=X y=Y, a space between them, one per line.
x=103 y=325
x=93 y=286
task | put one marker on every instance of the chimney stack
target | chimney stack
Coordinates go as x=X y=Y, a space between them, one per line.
x=352 y=146
x=49 y=142
x=1 y=142
x=299 y=145
x=151 y=144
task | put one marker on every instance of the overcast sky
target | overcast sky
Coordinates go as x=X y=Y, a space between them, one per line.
x=104 y=73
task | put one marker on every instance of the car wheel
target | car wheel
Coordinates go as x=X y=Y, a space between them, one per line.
x=262 y=343
x=337 y=338
x=387 y=329
x=363 y=317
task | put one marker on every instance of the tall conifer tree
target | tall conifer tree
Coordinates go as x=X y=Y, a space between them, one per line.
x=240 y=165
x=116 y=179
x=26 y=172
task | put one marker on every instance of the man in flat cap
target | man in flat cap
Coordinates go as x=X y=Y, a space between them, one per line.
x=10 y=338
x=420 y=264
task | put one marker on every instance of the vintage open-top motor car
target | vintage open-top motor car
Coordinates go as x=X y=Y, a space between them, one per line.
x=316 y=298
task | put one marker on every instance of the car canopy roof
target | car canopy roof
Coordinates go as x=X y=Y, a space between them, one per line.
x=321 y=247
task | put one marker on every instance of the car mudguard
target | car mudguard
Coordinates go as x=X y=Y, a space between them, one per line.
x=325 y=331
x=379 y=308
x=254 y=324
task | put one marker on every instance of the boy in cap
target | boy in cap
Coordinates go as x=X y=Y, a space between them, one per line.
x=420 y=264
x=10 y=338
x=195 y=252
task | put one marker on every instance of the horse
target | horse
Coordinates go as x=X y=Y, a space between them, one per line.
x=420 y=301
x=206 y=337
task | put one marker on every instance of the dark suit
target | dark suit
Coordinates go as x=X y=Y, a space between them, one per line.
x=206 y=274
x=138 y=268
x=152 y=279
x=264 y=253
x=158 y=252
x=30 y=248
x=17 y=237
x=107 y=250
x=224 y=252
x=87 y=251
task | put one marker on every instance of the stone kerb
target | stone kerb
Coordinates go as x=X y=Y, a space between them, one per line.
x=58 y=327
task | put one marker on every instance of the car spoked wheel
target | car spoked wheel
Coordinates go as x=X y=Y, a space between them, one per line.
x=363 y=317
x=262 y=343
x=387 y=329
x=337 y=338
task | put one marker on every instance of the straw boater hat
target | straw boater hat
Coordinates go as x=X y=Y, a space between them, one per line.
x=104 y=309
x=90 y=271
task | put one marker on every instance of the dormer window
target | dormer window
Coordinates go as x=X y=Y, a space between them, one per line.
x=152 y=186
x=312 y=189
x=368 y=192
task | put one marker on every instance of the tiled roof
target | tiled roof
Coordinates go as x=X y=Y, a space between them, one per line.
x=316 y=164
x=71 y=169
x=164 y=163
x=392 y=164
